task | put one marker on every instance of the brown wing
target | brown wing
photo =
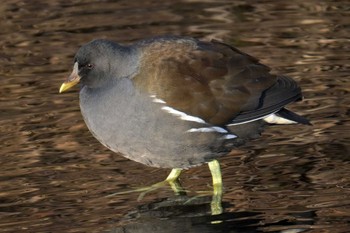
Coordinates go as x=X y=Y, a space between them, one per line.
x=210 y=80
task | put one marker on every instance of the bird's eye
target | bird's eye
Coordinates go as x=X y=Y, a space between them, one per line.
x=89 y=66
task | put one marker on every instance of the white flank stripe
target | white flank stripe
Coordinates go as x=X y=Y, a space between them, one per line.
x=229 y=136
x=156 y=100
x=207 y=130
x=274 y=119
x=182 y=115
x=213 y=129
x=219 y=129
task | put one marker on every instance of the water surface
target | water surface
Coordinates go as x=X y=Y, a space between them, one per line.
x=55 y=176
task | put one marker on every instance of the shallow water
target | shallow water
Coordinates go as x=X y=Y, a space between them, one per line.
x=55 y=176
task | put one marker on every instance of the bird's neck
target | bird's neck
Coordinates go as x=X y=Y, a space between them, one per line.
x=127 y=62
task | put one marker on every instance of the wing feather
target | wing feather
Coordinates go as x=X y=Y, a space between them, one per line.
x=211 y=80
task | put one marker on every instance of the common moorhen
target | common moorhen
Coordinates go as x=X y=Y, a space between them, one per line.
x=177 y=102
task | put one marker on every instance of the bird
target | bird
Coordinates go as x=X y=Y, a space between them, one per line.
x=178 y=102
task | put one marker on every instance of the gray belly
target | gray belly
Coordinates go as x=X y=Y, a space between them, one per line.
x=132 y=124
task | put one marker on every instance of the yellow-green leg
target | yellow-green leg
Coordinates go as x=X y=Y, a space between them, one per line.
x=172 y=180
x=216 y=207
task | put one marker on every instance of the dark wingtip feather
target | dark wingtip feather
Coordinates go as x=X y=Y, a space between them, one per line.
x=293 y=116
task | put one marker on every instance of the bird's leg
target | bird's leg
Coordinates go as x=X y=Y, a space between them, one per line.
x=216 y=207
x=172 y=180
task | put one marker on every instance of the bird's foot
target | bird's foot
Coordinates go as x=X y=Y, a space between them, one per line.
x=171 y=180
x=175 y=186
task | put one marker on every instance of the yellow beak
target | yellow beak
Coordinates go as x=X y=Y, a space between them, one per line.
x=72 y=80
